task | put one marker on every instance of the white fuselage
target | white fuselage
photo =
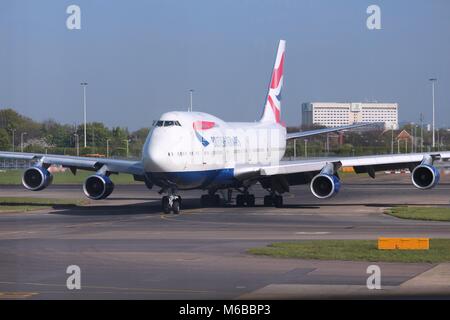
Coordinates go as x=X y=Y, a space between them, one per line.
x=194 y=149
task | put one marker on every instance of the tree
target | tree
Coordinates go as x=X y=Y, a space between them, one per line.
x=141 y=134
x=57 y=134
x=5 y=143
x=118 y=137
x=10 y=119
x=137 y=141
x=346 y=149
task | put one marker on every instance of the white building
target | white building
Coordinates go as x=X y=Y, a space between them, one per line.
x=334 y=114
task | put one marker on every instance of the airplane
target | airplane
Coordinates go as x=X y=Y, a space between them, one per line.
x=196 y=150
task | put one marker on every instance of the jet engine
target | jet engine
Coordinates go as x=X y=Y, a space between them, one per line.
x=425 y=176
x=325 y=185
x=36 y=178
x=97 y=187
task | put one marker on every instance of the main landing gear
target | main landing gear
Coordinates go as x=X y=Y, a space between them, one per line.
x=171 y=203
x=210 y=200
x=245 y=200
x=242 y=200
x=273 y=200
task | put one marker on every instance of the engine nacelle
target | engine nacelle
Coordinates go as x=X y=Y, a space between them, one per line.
x=425 y=176
x=325 y=185
x=97 y=187
x=36 y=178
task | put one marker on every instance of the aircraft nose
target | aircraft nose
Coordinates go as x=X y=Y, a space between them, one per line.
x=157 y=154
x=164 y=149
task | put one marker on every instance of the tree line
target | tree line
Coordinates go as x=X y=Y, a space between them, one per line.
x=49 y=136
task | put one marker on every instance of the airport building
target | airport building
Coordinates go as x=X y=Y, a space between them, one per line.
x=335 y=114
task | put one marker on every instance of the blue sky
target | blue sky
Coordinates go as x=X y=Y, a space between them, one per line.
x=141 y=57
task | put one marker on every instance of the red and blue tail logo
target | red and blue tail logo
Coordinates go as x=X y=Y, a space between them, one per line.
x=272 y=108
x=200 y=126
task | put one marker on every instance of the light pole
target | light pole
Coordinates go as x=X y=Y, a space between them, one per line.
x=77 y=143
x=21 y=140
x=191 y=91
x=107 y=148
x=413 y=136
x=392 y=139
x=13 y=142
x=421 y=132
x=306 y=148
x=84 y=84
x=438 y=139
x=433 y=81
x=127 y=141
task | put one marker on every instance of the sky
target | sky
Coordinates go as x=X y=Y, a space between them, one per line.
x=140 y=58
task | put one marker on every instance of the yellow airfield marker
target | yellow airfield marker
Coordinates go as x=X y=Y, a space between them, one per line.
x=403 y=243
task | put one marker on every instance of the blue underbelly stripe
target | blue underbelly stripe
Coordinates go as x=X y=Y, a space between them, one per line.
x=194 y=179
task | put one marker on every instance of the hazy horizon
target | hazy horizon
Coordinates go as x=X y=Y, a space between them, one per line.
x=141 y=58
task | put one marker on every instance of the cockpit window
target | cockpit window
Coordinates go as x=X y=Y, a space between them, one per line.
x=166 y=123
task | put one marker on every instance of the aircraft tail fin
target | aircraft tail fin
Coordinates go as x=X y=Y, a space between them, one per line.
x=272 y=108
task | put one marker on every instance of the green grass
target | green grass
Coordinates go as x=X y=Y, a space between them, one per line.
x=14 y=177
x=24 y=204
x=354 y=250
x=21 y=208
x=421 y=213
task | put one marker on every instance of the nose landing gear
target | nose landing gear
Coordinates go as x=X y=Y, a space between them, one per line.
x=171 y=203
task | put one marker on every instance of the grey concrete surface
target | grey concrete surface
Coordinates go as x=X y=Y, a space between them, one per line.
x=127 y=249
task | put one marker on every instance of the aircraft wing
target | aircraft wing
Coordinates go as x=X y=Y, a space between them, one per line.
x=85 y=163
x=294 y=135
x=302 y=171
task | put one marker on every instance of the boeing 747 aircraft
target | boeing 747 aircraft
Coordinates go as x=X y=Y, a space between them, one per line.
x=195 y=150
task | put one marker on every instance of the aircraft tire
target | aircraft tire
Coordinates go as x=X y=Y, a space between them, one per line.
x=240 y=200
x=165 y=205
x=250 y=200
x=268 y=201
x=278 y=201
x=176 y=206
x=216 y=200
x=205 y=200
